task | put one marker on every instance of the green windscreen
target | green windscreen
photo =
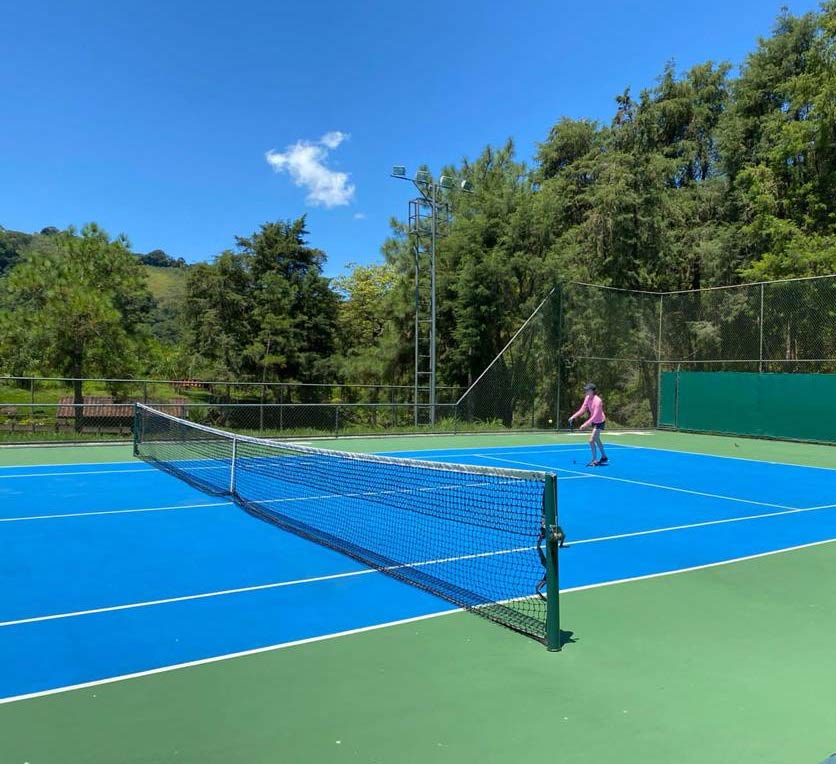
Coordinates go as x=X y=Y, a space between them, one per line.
x=793 y=406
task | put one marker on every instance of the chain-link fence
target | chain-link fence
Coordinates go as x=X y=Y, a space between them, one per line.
x=44 y=409
x=97 y=421
x=32 y=390
x=624 y=341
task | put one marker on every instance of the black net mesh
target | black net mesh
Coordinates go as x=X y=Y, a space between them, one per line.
x=468 y=534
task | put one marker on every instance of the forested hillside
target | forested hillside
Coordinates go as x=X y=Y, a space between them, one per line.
x=701 y=178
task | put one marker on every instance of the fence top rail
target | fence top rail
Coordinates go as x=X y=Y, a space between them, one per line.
x=191 y=405
x=764 y=359
x=217 y=382
x=823 y=277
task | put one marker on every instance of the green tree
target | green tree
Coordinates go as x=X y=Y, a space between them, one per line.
x=12 y=246
x=76 y=306
x=779 y=151
x=264 y=310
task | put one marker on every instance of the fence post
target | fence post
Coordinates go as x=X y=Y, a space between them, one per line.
x=659 y=361
x=760 y=339
x=559 y=354
x=337 y=421
x=676 y=398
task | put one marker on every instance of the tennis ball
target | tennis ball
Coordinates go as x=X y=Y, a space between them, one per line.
x=550 y=421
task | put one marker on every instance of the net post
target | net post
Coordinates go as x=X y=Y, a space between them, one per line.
x=232 y=466
x=552 y=577
x=136 y=429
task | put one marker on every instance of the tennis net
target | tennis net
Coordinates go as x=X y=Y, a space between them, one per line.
x=484 y=539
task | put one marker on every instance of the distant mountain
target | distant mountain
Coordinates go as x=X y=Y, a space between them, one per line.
x=168 y=286
x=160 y=259
x=14 y=243
x=166 y=278
x=12 y=246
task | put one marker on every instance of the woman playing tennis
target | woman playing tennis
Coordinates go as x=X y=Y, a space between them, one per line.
x=593 y=404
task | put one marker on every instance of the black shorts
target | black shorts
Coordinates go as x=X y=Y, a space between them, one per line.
x=599 y=425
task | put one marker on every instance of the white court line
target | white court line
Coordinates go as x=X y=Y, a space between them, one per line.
x=649 y=485
x=261 y=587
x=284 y=500
x=415 y=564
x=25 y=518
x=137 y=462
x=541 y=451
x=585 y=587
x=227 y=656
x=551 y=447
x=184 y=598
x=70 y=474
x=543 y=433
x=703 y=524
x=337 y=635
x=734 y=458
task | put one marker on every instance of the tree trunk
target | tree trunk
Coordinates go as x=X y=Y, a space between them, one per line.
x=78 y=391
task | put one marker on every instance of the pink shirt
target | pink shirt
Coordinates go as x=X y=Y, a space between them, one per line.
x=595 y=406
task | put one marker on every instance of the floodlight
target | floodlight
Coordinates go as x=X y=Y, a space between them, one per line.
x=466 y=185
x=399 y=171
x=422 y=176
x=446 y=181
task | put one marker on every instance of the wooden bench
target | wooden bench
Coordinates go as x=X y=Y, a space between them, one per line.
x=99 y=413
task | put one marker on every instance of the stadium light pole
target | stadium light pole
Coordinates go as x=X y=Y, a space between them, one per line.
x=432 y=194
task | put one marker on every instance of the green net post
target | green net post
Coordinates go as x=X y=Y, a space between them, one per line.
x=136 y=430
x=232 y=465
x=552 y=578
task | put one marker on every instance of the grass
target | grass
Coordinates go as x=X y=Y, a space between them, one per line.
x=168 y=285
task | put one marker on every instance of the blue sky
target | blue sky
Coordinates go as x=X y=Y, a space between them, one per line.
x=184 y=123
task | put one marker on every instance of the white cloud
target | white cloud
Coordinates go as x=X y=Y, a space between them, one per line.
x=305 y=162
x=333 y=139
x=359 y=215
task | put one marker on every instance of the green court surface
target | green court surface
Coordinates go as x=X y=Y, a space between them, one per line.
x=731 y=663
x=811 y=454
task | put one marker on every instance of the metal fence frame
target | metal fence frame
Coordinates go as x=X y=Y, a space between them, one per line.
x=227 y=389
x=663 y=330
x=636 y=334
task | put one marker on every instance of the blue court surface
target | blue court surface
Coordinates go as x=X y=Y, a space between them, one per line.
x=117 y=569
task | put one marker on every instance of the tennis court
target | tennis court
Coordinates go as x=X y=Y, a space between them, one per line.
x=142 y=619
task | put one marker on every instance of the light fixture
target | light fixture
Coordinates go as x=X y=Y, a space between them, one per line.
x=399 y=171
x=445 y=181
x=467 y=186
x=422 y=176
